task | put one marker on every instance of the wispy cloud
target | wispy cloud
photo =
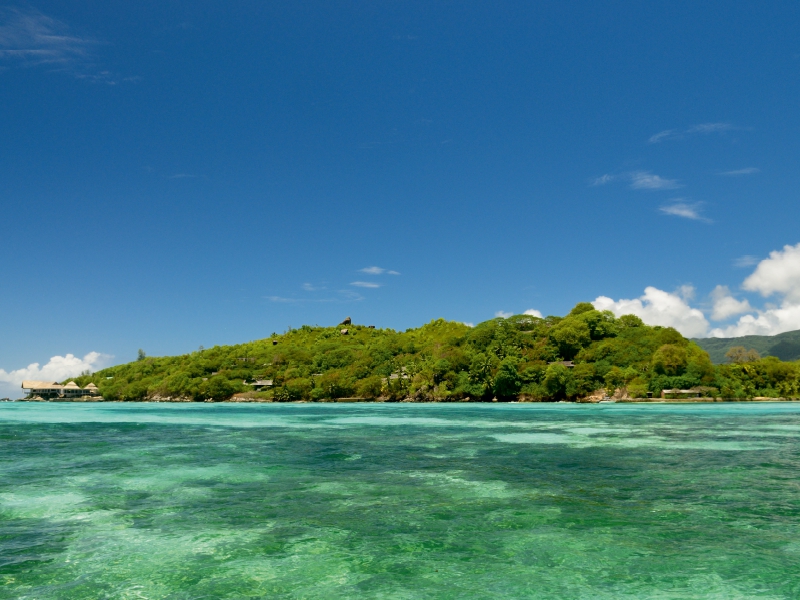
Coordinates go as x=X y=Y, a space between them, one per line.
x=663 y=135
x=365 y=284
x=604 y=179
x=710 y=128
x=310 y=287
x=377 y=271
x=748 y=260
x=700 y=128
x=339 y=296
x=372 y=270
x=736 y=172
x=638 y=180
x=687 y=211
x=29 y=38
x=644 y=180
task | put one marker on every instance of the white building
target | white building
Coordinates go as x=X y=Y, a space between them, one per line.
x=51 y=390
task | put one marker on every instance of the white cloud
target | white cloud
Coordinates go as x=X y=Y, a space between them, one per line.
x=377 y=271
x=780 y=273
x=639 y=180
x=503 y=314
x=663 y=135
x=365 y=284
x=682 y=209
x=748 y=260
x=725 y=305
x=604 y=179
x=766 y=322
x=533 y=312
x=58 y=368
x=644 y=180
x=657 y=307
x=710 y=128
x=747 y=171
x=31 y=38
x=679 y=134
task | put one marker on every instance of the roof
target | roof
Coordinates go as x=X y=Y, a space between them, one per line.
x=34 y=385
x=91 y=386
x=72 y=385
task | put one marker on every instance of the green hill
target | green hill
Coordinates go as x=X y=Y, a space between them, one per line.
x=785 y=346
x=521 y=357
x=548 y=358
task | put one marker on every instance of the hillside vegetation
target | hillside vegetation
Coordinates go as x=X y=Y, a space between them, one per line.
x=785 y=346
x=505 y=358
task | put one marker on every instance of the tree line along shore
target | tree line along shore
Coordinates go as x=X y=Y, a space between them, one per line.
x=582 y=356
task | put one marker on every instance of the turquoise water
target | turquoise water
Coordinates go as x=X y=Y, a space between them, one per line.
x=399 y=501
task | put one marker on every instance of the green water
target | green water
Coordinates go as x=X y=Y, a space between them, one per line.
x=399 y=501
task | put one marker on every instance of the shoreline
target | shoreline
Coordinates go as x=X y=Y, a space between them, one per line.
x=411 y=401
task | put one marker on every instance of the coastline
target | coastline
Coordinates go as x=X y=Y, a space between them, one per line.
x=236 y=400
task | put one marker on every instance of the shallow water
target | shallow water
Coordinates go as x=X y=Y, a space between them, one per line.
x=399 y=501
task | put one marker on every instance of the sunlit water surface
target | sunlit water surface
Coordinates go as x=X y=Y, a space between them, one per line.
x=399 y=501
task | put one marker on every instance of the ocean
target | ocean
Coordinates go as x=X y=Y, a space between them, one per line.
x=185 y=501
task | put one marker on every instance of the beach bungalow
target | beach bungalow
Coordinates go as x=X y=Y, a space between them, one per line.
x=51 y=390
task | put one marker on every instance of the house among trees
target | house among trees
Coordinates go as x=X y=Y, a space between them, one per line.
x=259 y=384
x=51 y=390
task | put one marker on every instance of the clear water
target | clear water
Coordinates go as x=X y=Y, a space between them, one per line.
x=399 y=501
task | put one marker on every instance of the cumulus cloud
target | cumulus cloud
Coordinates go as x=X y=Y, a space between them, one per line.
x=503 y=314
x=725 y=305
x=771 y=321
x=533 y=313
x=365 y=284
x=684 y=210
x=780 y=273
x=657 y=307
x=57 y=368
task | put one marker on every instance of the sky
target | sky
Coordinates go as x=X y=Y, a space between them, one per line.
x=178 y=174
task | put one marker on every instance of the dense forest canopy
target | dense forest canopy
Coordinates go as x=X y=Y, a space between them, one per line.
x=547 y=359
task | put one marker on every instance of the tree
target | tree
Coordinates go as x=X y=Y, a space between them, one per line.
x=507 y=382
x=739 y=355
x=141 y=355
x=570 y=336
x=670 y=359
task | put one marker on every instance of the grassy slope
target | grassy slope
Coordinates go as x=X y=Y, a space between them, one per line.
x=785 y=346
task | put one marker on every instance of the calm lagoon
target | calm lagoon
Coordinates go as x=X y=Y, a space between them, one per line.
x=399 y=501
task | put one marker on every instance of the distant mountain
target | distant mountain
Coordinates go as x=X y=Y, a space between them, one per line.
x=785 y=346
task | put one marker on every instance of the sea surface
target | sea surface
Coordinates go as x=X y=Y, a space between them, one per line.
x=399 y=501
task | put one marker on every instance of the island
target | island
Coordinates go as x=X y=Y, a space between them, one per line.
x=585 y=356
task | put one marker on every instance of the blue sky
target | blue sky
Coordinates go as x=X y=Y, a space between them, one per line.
x=198 y=173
